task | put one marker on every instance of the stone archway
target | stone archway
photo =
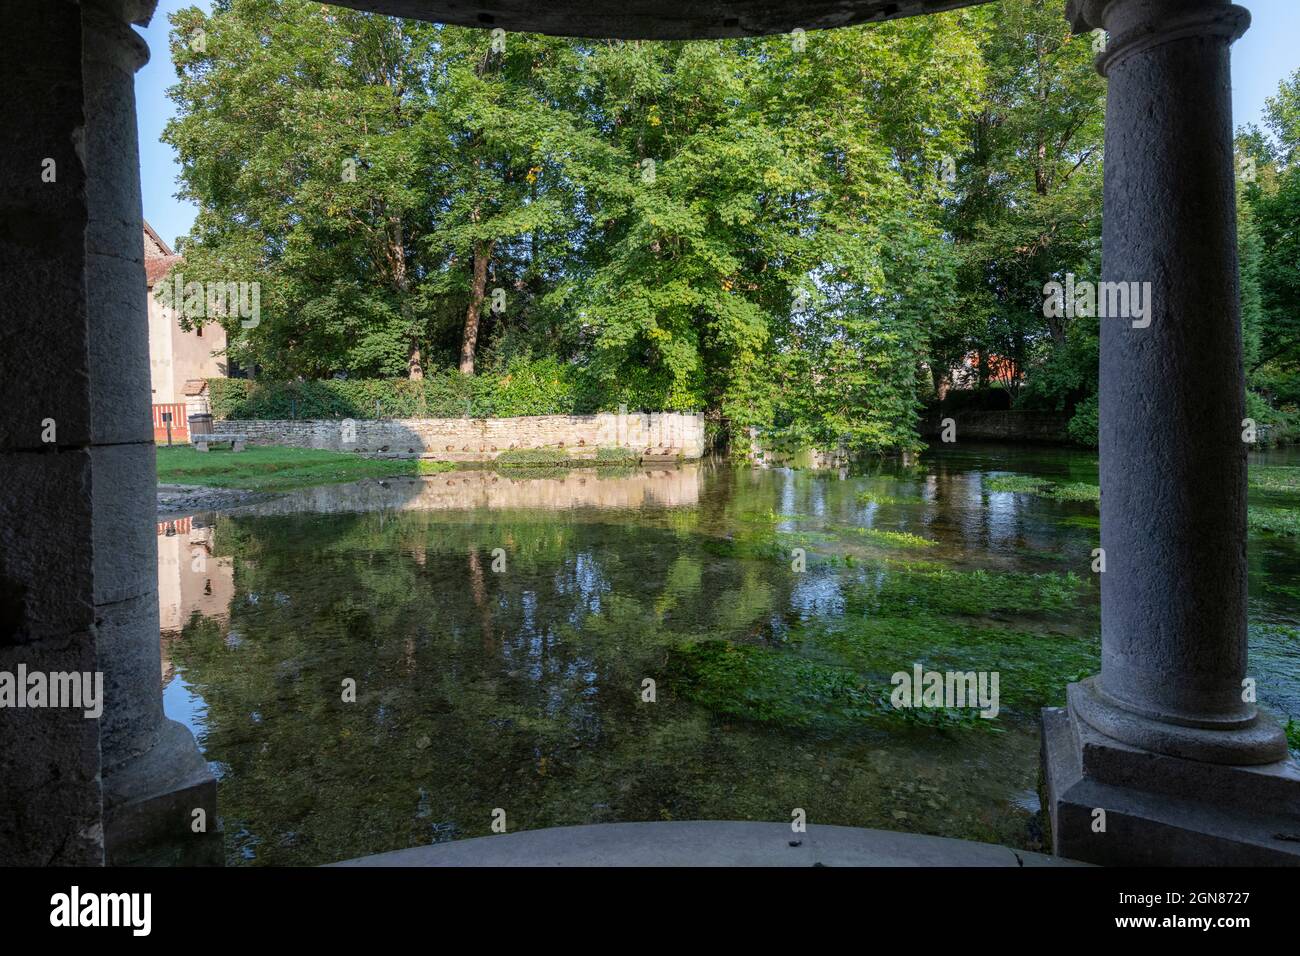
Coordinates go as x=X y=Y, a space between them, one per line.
x=1162 y=740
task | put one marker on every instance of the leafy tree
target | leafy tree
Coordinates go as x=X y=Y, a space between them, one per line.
x=1269 y=241
x=1028 y=208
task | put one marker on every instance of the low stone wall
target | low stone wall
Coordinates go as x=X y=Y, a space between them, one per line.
x=482 y=439
x=1011 y=426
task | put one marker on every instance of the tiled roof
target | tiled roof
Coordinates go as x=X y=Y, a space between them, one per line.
x=158 y=257
x=156 y=267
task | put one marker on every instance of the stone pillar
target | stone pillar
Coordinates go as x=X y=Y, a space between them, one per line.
x=1164 y=742
x=50 y=800
x=153 y=776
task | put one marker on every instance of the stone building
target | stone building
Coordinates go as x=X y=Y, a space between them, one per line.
x=179 y=359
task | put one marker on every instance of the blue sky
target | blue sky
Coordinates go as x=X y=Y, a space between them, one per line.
x=1269 y=52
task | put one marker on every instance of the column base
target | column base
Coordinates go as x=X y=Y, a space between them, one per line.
x=1162 y=810
x=150 y=804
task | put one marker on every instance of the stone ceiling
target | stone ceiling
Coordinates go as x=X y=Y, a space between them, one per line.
x=655 y=19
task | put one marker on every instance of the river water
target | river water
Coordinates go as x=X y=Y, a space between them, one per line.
x=375 y=666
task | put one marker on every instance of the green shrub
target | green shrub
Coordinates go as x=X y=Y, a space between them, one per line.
x=1084 y=423
x=607 y=455
x=532 y=457
x=522 y=387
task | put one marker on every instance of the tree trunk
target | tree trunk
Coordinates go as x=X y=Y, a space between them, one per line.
x=396 y=253
x=482 y=252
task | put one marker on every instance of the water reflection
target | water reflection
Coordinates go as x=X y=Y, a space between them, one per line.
x=500 y=631
x=554 y=490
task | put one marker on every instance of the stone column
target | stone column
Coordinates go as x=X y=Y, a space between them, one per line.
x=153 y=776
x=50 y=799
x=1168 y=715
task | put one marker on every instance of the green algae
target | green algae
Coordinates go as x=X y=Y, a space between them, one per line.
x=1280 y=521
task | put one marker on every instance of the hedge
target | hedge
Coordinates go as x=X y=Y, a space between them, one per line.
x=542 y=387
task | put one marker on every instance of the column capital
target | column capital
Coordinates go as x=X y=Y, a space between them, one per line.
x=110 y=21
x=1137 y=25
x=139 y=12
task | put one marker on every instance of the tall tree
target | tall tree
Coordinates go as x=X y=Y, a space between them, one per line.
x=1028 y=206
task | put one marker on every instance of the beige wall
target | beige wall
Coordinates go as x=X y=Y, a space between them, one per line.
x=176 y=356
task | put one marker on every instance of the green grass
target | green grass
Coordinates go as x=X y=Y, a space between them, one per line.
x=272 y=468
x=560 y=458
x=613 y=455
x=532 y=458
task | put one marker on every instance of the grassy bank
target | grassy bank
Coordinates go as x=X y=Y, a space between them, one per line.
x=280 y=469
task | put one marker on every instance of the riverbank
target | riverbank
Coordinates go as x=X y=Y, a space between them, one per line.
x=273 y=469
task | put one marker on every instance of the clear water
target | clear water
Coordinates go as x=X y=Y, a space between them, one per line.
x=514 y=679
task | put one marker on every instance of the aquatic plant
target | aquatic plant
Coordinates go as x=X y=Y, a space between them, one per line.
x=1285 y=521
x=894 y=538
x=878 y=498
x=766 y=686
x=1026 y=484
x=1275 y=478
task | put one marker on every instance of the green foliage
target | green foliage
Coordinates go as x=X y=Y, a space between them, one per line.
x=1027 y=211
x=615 y=456
x=532 y=457
x=1085 y=422
x=1269 y=241
x=780 y=265
x=541 y=387
x=805 y=242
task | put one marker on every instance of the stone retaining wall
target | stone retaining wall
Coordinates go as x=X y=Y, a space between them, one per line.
x=482 y=439
x=1012 y=426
